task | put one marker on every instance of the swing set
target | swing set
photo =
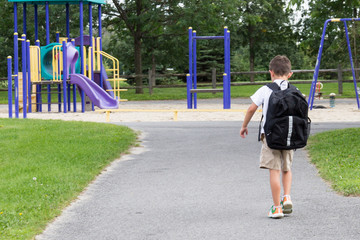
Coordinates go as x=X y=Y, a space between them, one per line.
x=317 y=67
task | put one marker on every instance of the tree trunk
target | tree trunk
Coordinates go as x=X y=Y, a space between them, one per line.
x=138 y=65
x=153 y=70
x=137 y=46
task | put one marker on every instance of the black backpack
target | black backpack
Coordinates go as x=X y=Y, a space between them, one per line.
x=287 y=123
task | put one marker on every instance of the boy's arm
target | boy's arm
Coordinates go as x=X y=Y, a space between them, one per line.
x=249 y=114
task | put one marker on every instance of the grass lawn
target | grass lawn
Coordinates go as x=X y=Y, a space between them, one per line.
x=336 y=154
x=236 y=92
x=44 y=165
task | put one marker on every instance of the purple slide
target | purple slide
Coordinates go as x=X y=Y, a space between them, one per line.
x=97 y=95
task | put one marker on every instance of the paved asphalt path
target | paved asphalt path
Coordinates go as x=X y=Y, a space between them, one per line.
x=200 y=180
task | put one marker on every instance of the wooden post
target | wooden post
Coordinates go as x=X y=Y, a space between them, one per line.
x=340 y=79
x=213 y=78
x=150 y=82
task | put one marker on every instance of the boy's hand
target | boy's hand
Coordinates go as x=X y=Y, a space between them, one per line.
x=249 y=113
x=243 y=131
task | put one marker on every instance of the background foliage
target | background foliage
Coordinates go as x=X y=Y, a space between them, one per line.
x=152 y=34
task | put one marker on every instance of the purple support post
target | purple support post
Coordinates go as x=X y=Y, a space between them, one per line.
x=188 y=88
x=16 y=63
x=38 y=89
x=24 y=18
x=74 y=86
x=100 y=47
x=47 y=43
x=68 y=39
x=189 y=76
x=226 y=78
x=91 y=45
x=59 y=76
x=9 y=85
x=65 y=74
x=23 y=64
x=225 y=97
x=82 y=53
x=37 y=43
x=194 y=69
x=351 y=63
x=28 y=74
x=317 y=67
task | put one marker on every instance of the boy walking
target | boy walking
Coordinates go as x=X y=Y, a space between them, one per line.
x=277 y=161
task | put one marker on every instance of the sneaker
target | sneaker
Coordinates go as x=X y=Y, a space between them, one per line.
x=286 y=204
x=276 y=212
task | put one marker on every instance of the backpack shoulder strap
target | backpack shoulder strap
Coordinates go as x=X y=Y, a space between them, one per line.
x=273 y=86
x=259 y=139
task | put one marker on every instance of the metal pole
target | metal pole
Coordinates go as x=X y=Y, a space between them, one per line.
x=189 y=78
x=65 y=74
x=82 y=53
x=68 y=39
x=16 y=62
x=38 y=88
x=194 y=69
x=10 y=97
x=229 y=72
x=351 y=62
x=74 y=86
x=100 y=47
x=23 y=64
x=29 y=74
x=225 y=77
x=317 y=67
x=36 y=21
x=47 y=43
x=91 y=75
x=226 y=89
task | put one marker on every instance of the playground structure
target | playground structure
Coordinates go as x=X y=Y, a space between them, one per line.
x=191 y=78
x=317 y=67
x=68 y=62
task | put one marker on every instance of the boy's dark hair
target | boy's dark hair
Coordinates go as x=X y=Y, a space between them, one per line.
x=280 y=65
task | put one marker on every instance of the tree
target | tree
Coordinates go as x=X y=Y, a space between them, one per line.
x=267 y=31
x=142 y=19
x=335 y=47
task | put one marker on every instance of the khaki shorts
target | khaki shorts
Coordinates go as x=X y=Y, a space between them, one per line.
x=275 y=159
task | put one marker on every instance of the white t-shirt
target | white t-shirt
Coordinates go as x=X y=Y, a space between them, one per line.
x=262 y=95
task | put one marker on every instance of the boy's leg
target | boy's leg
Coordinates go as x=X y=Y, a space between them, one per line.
x=275 y=186
x=286 y=181
x=286 y=200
